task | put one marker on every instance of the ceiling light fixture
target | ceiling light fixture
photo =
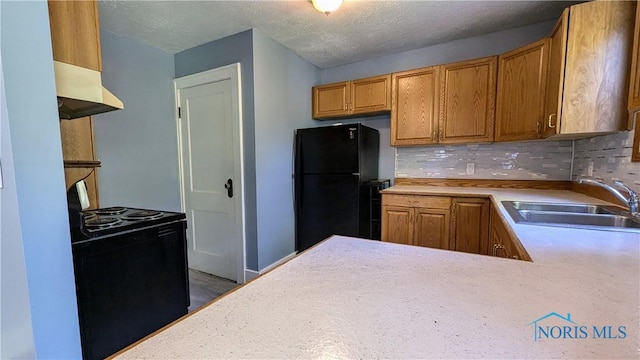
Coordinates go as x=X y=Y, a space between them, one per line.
x=326 y=6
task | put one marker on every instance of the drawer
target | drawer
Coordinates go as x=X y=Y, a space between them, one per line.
x=424 y=201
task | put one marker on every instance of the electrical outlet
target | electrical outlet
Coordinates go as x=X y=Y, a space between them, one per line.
x=471 y=168
x=590 y=169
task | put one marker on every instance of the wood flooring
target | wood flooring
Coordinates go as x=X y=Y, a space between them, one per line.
x=205 y=287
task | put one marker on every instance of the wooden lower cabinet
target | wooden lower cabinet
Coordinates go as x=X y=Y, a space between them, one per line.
x=449 y=223
x=397 y=224
x=501 y=243
x=462 y=224
x=431 y=228
x=416 y=220
x=470 y=225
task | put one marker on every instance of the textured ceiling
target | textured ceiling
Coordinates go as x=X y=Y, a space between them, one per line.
x=359 y=30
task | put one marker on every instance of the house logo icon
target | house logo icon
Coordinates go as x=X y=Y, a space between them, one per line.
x=539 y=330
x=556 y=326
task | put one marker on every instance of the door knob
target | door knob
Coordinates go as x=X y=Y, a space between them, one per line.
x=229 y=187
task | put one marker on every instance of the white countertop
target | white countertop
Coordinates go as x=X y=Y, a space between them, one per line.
x=353 y=298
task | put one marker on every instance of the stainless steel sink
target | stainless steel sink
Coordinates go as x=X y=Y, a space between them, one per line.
x=596 y=217
x=568 y=208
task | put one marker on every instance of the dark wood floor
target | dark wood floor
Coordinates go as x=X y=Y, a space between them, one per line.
x=204 y=288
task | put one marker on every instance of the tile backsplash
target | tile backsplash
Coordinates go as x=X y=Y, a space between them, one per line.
x=536 y=160
x=610 y=155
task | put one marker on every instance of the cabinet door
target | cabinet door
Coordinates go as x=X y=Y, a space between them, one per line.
x=635 y=153
x=468 y=101
x=331 y=100
x=75 y=33
x=555 y=84
x=497 y=235
x=634 y=89
x=598 y=62
x=431 y=228
x=470 y=225
x=501 y=243
x=397 y=224
x=371 y=95
x=634 y=85
x=414 y=107
x=522 y=77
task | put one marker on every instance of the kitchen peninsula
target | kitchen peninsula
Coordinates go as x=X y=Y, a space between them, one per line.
x=354 y=298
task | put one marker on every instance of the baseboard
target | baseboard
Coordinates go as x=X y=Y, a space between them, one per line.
x=250 y=275
x=278 y=262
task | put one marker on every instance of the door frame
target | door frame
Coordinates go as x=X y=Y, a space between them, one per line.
x=229 y=72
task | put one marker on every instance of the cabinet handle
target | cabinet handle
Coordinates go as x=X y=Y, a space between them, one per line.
x=549 y=123
x=539 y=128
x=441 y=135
x=346 y=106
x=496 y=247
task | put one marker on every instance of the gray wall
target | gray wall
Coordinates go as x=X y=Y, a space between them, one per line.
x=229 y=50
x=282 y=84
x=479 y=46
x=16 y=332
x=37 y=152
x=138 y=145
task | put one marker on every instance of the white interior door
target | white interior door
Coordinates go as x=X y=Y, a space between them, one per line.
x=211 y=176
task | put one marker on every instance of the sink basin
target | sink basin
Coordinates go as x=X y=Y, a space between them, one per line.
x=579 y=219
x=596 y=217
x=568 y=208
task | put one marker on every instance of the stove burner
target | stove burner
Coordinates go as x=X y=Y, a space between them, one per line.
x=100 y=222
x=143 y=215
x=89 y=216
x=115 y=210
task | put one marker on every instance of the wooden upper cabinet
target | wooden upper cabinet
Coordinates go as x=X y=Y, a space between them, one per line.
x=371 y=95
x=75 y=33
x=522 y=77
x=634 y=89
x=366 y=96
x=555 y=81
x=634 y=84
x=590 y=57
x=635 y=152
x=414 y=107
x=331 y=100
x=467 y=101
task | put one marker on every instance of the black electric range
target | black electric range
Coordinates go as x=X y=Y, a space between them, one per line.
x=107 y=221
x=131 y=273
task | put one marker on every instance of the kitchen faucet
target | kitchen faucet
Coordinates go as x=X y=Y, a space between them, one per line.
x=631 y=201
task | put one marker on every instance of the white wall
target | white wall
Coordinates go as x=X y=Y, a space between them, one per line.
x=39 y=177
x=282 y=100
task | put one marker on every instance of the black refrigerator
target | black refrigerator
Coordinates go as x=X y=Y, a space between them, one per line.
x=332 y=166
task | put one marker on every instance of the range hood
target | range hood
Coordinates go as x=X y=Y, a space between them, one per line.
x=80 y=92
